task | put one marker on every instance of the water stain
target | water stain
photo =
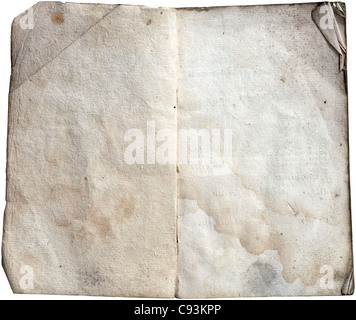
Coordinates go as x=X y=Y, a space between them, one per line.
x=53 y=163
x=125 y=208
x=257 y=236
x=102 y=219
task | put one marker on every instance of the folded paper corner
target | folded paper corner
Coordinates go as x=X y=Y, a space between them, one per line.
x=330 y=18
x=348 y=288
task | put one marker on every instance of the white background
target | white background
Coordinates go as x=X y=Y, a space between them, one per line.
x=15 y=7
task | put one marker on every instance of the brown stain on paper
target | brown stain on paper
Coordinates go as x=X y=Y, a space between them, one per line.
x=88 y=220
x=101 y=224
x=58 y=18
x=125 y=209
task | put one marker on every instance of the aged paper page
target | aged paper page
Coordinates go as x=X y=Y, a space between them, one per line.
x=274 y=219
x=80 y=219
x=123 y=119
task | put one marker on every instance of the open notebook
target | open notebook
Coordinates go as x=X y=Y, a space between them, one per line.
x=196 y=153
